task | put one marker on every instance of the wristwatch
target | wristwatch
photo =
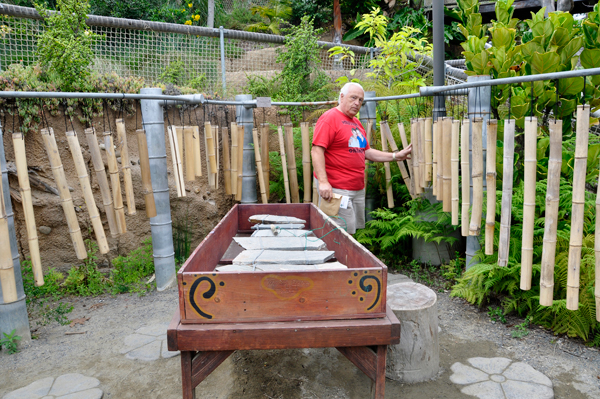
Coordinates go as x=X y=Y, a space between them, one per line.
x=394 y=156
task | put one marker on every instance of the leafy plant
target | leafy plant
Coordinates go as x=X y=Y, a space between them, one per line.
x=10 y=342
x=85 y=279
x=128 y=271
x=181 y=236
x=57 y=313
x=51 y=287
x=272 y=15
x=521 y=330
x=496 y=314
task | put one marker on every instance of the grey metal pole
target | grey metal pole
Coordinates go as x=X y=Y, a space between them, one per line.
x=439 y=67
x=160 y=225
x=479 y=107
x=222 y=40
x=13 y=316
x=368 y=113
x=245 y=118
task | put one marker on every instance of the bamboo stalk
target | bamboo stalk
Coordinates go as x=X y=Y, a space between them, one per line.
x=385 y=128
x=240 y=162
x=507 y=191
x=440 y=159
x=414 y=139
x=306 y=169
x=264 y=156
x=126 y=166
x=197 y=151
x=437 y=127
x=107 y=202
x=428 y=149
x=551 y=214
x=597 y=252
x=215 y=131
x=208 y=148
x=63 y=190
x=291 y=157
x=176 y=158
x=25 y=189
x=259 y=171
x=7 y=271
x=210 y=142
x=315 y=194
x=579 y=174
x=454 y=175
x=84 y=182
x=145 y=171
x=190 y=152
x=115 y=182
x=286 y=183
x=466 y=176
x=422 y=164
x=476 y=176
x=386 y=166
x=226 y=160
x=490 y=175
x=411 y=186
x=529 y=180
x=447 y=161
x=369 y=133
x=234 y=157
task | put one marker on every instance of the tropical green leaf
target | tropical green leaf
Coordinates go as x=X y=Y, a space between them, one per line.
x=544 y=63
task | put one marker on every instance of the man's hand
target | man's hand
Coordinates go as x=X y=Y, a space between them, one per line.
x=325 y=191
x=402 y=155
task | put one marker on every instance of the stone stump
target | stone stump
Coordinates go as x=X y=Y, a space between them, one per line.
x=417 y=357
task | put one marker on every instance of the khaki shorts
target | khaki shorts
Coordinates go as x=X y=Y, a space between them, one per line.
x=353 y=217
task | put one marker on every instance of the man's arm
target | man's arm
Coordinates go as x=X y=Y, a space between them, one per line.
x=379 y=156
x=318 y=160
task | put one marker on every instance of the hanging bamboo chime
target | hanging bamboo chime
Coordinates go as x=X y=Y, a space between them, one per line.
x=259 y=171
x=115 y=182
x=529 y=180
x=211 y=158
x=428 y=147
x=411 y=183
x=577 y=213
x=226 y=160
x=291 y=163
x=437 y=126
x=386 y=166
x=264 y=155
x=465 y=176
x=240 y=162
x=447 y=161
x=197 y=151
x=414 y=139
x=176 y=159
x=98 y=163
x=440 y=159
x=507 y=191
x=385 y=128
x=25 y=189
x=306 y=170
x=454 y=160
x=476 y=176
x=490 y=175
x=422 y=162
x=234 y=158
x=190 y=152
x=125 y=165
x=551 y=213
x=284 y=168
x=63 y=190
x=7 y=271
x=145 y=172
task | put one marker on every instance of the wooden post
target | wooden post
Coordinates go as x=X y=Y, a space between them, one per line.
x=240 y=162
x=551 y=215
x=529 y=180
x=291 y=158
x=63 y=190
x=466 y=176
x=454 y=161
x=414 y=139
x=125 y=165
x=115 y=182
x=477 y=176
x=428 y=149
x=411 y=187
x=7 y=271
x=234 y=157
x=437 y=127
x=84 y=182
x=226 y=160
x=507 y=188
x=385 y=128
x=259 y=171
x=306 y=170
x=579 y=169
x=176 y=158
x=197 y=151
x=190 y=153
x=490 y=216
x=107 y=202
x=145 y=171
x=446 y=160
x=386 y=166
x=264 y=156
x=284 y=168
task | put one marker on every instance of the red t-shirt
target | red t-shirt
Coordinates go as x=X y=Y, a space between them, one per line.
x=345 y=142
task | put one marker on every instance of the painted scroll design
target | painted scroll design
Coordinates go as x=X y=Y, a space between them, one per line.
x=286 y=288
x=206 y=294
x=367 y=287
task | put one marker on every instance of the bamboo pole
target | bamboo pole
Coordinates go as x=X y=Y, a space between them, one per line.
x=63 y=190
x=190 y=153
x=180 y=144
x=264 y=156
x=306 y=169
x=291 y=158
x=125 y=165
x=465 y=175
x=414 y=139
x=234 y=158
x=507 y=191
x=25 y=189
x=386 y=166
x=597 y=252
x=7 y=271
x=440 y=159
x=551 y=214
x=259 y=171
x=369 y=133
x=579 y=174
x=84 y=182
x=490 y=175
x=226 y=160
x=447 y=161
x=422 y=164
x=477 y=176
x=411 y=187
x=176 y=158
x=115 y=182
x=215 y=131
x=240 y=162
x=210 y=159
x=385 y=128
x=428 y=140
x=530 y=163
x=286 y=183
x=145 y=171
x=437 y=127
x=197 y=151
x=454 y=175
x=107 y=202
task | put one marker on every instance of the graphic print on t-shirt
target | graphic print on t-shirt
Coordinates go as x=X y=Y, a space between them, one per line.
x=357 y=140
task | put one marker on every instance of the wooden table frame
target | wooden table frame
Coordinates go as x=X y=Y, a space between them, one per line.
x=205 y=346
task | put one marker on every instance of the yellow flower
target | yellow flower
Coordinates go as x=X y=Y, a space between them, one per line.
x=190 y=5
x=196 y=17
x=188 y=22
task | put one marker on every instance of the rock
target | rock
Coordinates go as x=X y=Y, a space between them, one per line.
x=197 y=190
x=283 y=257
x=273 y=219
x=45 y=230
x=283 y=233
x=281 y=243
x=102 y=146
x=281 y=226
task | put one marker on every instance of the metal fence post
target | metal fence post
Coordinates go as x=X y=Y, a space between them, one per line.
x=222 y=42
x=439 y=67
x=160 y=225
x=479 y=107
x=368 y=113
x=245 y=118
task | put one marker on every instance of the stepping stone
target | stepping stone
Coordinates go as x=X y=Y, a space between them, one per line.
x=281 y=243
x=66 y=386
x=500 y=378
x=72 y=383
x=94 y=393
x=272 y=219
x=34 y=390
x=283 y=257
x=166 y=353
x=283 y=233
x=148 y=343
x=289 y=226
x=148 y=352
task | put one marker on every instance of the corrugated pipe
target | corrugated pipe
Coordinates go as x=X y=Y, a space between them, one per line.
x=160 y=225
x=245 y=119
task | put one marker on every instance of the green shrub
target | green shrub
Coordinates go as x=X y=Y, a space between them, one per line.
x=51 y=287
x=128 y=271
x=85 y=279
